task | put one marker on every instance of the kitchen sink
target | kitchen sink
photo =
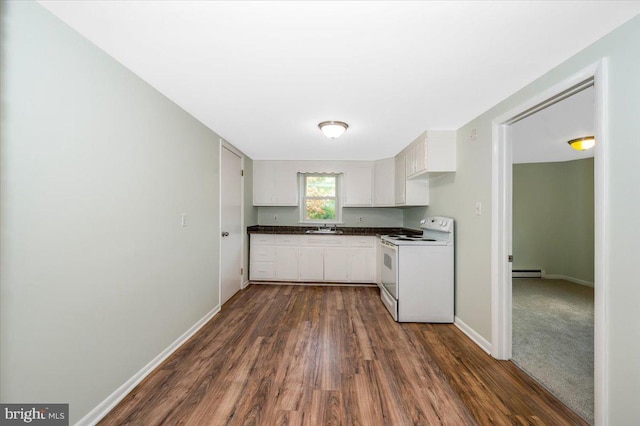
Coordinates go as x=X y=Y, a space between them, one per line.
x=330 y=231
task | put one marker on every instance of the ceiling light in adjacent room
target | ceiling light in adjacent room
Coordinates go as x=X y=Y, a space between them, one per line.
x=333 y=129
x=583 y=143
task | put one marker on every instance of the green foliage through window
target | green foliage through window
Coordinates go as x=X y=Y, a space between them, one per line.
x=320 y=197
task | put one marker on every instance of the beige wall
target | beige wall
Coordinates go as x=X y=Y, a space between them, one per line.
x=411 y=216
x=456 y=195
x=97 y=276
x=553 y=210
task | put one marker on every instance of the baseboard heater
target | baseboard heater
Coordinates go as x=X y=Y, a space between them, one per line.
x=526 y=273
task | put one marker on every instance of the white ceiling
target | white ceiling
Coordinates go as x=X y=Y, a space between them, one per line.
x=543 y=137
x=264 y=74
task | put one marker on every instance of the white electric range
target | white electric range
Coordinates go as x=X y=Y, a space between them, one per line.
x=417 y=276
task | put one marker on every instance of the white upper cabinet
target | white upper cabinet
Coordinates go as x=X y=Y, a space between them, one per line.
x=410 y=160
x=383 y=182
x=432 y=151
x=400 y=180
x=409 y=192
x=275 y=183
x=358 y=183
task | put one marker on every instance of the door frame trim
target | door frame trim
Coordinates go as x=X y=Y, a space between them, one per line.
x=223 y=144
x=501 y=223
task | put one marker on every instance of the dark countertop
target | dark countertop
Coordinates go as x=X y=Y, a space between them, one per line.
x=346 y=230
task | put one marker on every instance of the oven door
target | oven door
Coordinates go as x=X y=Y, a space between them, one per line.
x=389 y=269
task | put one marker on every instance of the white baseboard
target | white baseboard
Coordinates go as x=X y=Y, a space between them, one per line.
x=567 y=278
x=102 y=409
x=484 y=344
x=527 y=273
x=245 y=284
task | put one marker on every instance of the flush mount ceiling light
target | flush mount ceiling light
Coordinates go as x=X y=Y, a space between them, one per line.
x=583 y=143
x=333 y=129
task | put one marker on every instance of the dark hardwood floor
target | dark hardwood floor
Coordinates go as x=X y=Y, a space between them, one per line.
x=279 y=355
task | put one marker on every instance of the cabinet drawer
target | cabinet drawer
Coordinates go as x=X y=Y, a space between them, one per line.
x=286 y=240
x=323 y=241
x=263 y=253
x=362 y=241
x=263 y=270
x=262 y=239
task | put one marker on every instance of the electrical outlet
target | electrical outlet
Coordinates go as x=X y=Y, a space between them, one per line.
x=478 y=209
x=275 y=217
x=360 y=219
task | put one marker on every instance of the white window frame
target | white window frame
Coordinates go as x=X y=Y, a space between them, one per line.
x=303 y=198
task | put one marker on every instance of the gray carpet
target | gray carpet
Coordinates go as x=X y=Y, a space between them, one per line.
x=553 y=338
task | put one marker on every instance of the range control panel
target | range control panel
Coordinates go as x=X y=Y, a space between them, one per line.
x=437 y=223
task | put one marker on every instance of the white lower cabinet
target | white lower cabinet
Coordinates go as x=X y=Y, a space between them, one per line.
x=362 y=266
x=286 y=263
x=311 y=264
x=274 y=257
x=313 y=258
x=336 y=264
x=362 y=259
x=379 y=261
x=263 y=271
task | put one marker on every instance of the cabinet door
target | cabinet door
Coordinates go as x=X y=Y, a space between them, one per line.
x=285 y=186
x=336 y=262
x=383 y=182
x=261 y=253
x=263 y=183
x=420 y=152
x=362 y=266
x=410 y=160
x=275 y=183
x=358 y=181
x=262 y=271
x=441 y=151
x=400 y=179
x=286 y=263
x=311 y=264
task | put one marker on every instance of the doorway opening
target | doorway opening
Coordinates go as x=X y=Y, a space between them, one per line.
x=553 y=250
x=502 y=220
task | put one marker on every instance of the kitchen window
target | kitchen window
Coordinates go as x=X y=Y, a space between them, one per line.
x=320 y=200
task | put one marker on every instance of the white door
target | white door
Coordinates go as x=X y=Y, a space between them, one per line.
x=231 y=222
